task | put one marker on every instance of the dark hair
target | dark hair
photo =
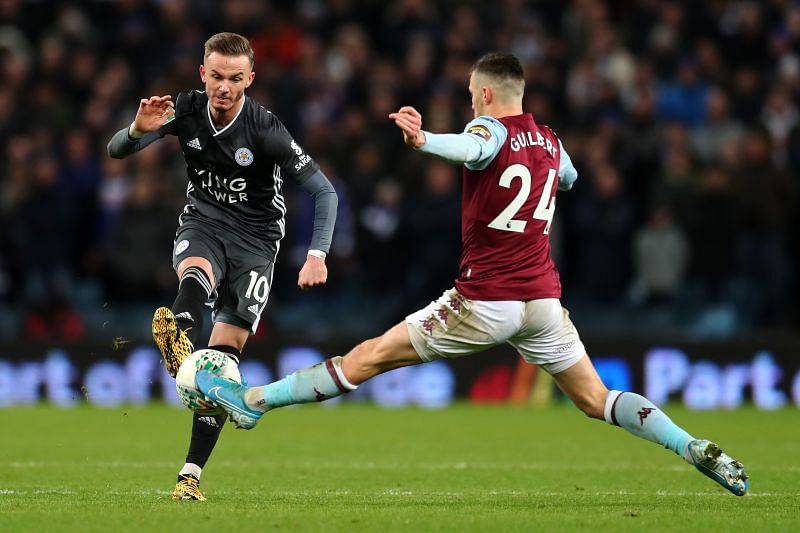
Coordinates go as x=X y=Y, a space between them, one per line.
x=229 y=44
x=500 y=65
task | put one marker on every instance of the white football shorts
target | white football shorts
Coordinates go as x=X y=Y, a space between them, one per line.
x=455 y=326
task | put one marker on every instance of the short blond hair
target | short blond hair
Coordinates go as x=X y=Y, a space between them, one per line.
x=230 y=44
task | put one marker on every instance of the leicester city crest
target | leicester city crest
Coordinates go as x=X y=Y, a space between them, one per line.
x=243 y=156
x=181 y=247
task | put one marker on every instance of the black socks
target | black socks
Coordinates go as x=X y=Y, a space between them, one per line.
x=194 y=291
x=205 y=428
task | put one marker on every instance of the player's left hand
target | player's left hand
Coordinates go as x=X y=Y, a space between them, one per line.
x=313 y=273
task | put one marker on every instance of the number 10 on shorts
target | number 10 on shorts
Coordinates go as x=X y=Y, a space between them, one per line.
x=258 y=287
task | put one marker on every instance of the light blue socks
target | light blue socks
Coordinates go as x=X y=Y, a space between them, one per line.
x=314 y=384
x=637 y=415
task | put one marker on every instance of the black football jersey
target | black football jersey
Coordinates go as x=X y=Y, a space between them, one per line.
x=236 y=173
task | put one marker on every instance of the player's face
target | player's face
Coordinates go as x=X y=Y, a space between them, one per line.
x=225 y=78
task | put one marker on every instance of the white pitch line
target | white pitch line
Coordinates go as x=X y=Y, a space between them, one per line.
x=593 y=467
x=152 y=492
x=394 y=492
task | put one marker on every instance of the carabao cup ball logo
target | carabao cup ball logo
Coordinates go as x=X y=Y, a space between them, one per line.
x=244 y=156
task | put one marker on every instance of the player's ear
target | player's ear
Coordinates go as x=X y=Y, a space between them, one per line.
x=250 y=79
x=202 y=73
x=487 y=95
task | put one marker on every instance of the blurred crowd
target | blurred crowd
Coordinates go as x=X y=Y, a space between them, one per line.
x=681 y=117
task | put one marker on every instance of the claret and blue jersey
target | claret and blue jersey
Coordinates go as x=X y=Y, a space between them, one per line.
x=512 y=170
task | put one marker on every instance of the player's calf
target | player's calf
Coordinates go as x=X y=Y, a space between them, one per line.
x=194 y=290
x=375 y=356
x=314 y=384
x=246 y=405
x=639 y=416
x=592 y=403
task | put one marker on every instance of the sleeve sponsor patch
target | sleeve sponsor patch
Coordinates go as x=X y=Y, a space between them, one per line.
x=481 y=131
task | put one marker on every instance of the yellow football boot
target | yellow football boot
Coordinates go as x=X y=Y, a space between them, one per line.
x=188 y=488
x=172 y=342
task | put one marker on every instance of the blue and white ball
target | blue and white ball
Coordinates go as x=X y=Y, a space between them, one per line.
x=214 y=361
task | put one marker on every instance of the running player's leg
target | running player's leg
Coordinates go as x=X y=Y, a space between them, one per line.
x=451 y=326
x=206 y=429
x=198 y=259
x=551 y=340
x=197 y=283
x=176 y=331
x=634 y=413
x=338 y=375
x=447 y=327
x=241 y=298
x=317 y=383
x=639 y=416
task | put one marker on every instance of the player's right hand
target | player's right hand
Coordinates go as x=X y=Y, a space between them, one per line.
x=313 y=273
x=409 y=121
x=153 y=113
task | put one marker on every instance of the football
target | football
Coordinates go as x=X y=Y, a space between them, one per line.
x=214 y=361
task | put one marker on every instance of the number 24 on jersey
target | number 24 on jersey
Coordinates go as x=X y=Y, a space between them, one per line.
x=545 y=209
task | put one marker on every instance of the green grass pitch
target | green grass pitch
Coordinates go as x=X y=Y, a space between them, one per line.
x=361 y=468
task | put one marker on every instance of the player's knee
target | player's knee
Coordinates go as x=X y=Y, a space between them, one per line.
x=199 y=262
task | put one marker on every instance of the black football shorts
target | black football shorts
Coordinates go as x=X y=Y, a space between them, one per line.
x=242 y=277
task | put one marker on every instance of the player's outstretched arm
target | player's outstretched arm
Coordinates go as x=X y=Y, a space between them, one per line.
x=151 y=116
x=476 y=149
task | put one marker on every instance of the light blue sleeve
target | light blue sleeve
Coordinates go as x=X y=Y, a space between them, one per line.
x=566 y=170
x=476 y=147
